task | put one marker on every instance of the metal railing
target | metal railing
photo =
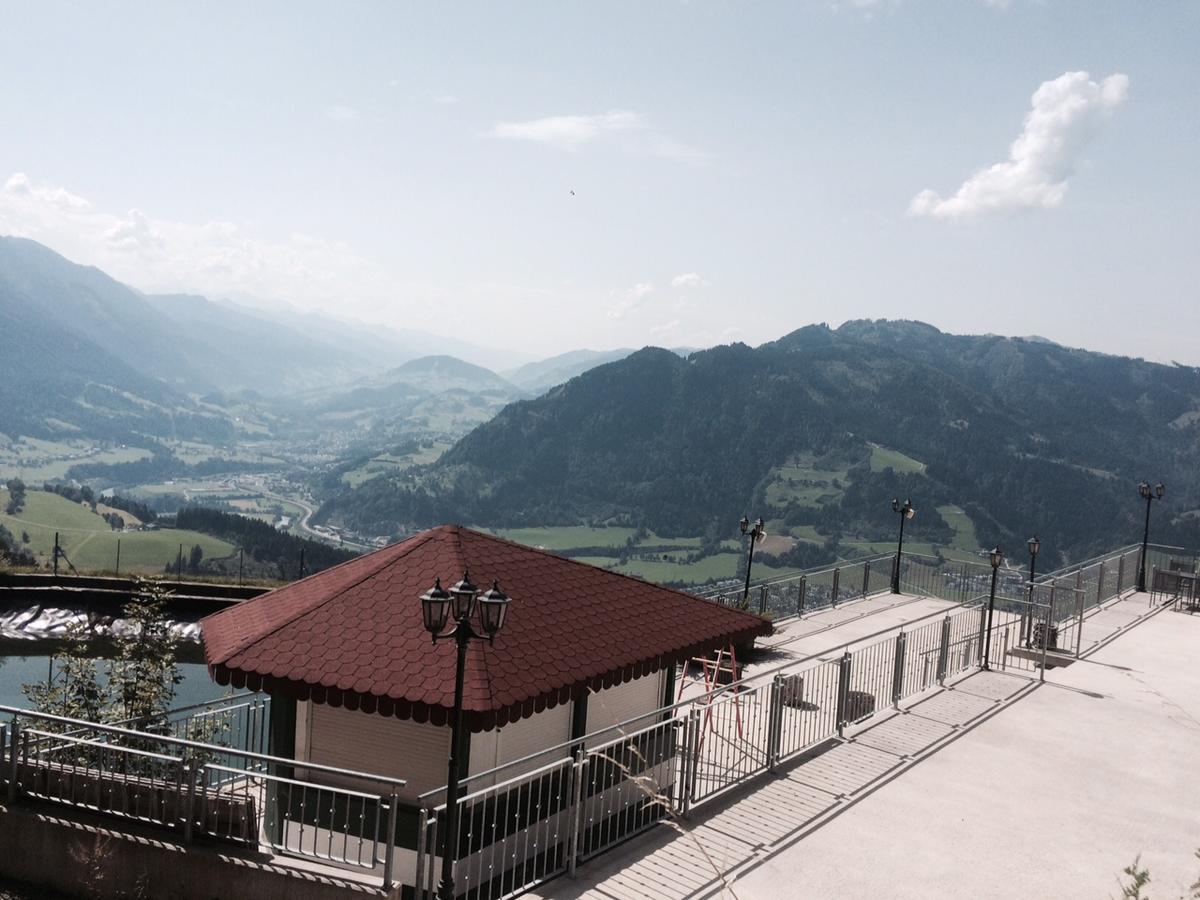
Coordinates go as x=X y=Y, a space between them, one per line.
x=541 y=815
x=199 y=789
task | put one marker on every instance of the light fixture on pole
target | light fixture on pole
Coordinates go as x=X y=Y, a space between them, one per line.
x=997 y=558
x=437 y=604
x=757 y=532
x=1034 y=545
x=906 y=512
x=1150 y=494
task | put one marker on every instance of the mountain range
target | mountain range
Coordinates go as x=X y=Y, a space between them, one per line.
x=84 y=355
x=817 y=431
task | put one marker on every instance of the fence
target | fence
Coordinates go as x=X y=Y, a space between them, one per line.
x=549 y=811
x=198 y=789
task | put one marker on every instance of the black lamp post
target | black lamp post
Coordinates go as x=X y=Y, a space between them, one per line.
x=906 y=512
x=1150 y=494
x=1034 y=546
x=997 y=559
x=757 y=532
x=436 y=606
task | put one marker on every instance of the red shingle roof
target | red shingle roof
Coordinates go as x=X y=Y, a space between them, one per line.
x=353 y=635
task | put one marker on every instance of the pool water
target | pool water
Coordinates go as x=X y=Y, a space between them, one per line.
x=25 y=662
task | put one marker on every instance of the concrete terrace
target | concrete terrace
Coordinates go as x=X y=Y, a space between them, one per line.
x=997 y=786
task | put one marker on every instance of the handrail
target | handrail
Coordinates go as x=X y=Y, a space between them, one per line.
x=716 y=693
x=16 y=711
x=708 y=592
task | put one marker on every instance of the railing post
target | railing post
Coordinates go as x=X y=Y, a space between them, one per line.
x=944 y=651
x=1079 y=601
x=189 y=801
x=898 y=670
x=866 y=578
x=1120 y=573
x=802 y=594
x=389 y=851
x=1100 y=586
x=422 y=848
x=1046 y=632
x=575 y=813
x=762 y=600
x=14 y=738
x=836 y=575
x=982 y=631
x=843 y=694
x=693 y=738
x=775 y=722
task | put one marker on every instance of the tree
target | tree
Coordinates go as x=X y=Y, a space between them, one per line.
x=138 y=682
x=16 y=496
x=72 y=688
x=195 y=558
x=144 y=672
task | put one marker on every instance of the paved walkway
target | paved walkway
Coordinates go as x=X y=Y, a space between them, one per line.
x=996 y=787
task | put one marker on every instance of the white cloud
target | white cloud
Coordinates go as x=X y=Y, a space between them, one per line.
x=1066 y=113
x=445 y=99
x=568 y=132
x=631 y=131
x=214 y=258
x=341 y=113
x=630 y=299
x=688 y=280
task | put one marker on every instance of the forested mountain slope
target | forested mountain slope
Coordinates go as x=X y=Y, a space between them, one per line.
x=817 y=430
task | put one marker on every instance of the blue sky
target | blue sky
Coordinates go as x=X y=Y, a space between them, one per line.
x=739 y=169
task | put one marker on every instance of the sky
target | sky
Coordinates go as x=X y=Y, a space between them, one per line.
x=540 y=177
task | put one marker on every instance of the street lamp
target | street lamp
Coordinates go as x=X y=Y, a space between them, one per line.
x=757 y=532
x=436 y=606
x=1150 y=494
x=1034 y=545
x=906 y=512
x=997 y=559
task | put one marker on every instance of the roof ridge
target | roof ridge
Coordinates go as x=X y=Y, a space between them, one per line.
x=425 y=536
x=575 y=562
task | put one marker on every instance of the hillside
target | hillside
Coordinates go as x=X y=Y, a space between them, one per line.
x=538 y=377
x=816 y=431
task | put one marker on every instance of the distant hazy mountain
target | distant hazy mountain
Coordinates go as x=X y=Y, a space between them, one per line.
x=447 y=373
x=818 y=430
x=236 y=349
x=434 y=396
x=85 y=355
x=82 y=354
x=538 y=377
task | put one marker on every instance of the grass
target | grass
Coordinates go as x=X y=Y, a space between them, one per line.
x=964 y=529
x=387 y=462
x=35 y=461
x=883 y=458
x=568 y=537
x=802 y=482
x=91 y=545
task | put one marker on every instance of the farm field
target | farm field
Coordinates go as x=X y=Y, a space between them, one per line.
x=718 y=567
x=803 y=481
x=883 y=458
x=34 y=460
x=568 y=537
x=384 y=463
x=965 y=538
x=89 y=542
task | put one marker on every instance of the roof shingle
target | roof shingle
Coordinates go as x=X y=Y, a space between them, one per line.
x=353 y=635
